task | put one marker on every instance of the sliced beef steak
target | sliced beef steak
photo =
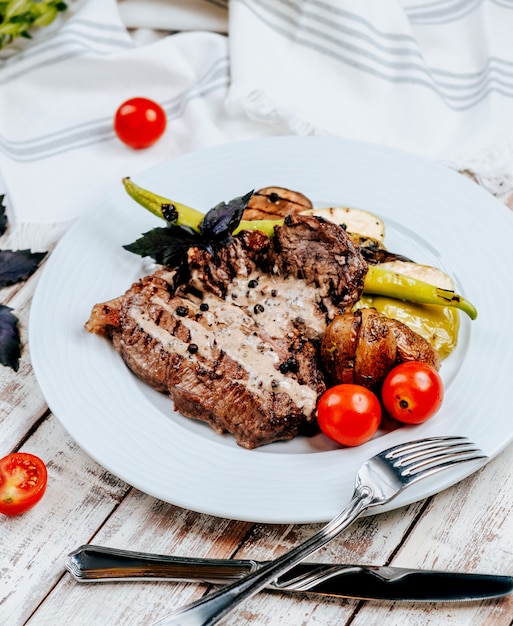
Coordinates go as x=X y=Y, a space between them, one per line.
x=236 y=346
x=321 y=254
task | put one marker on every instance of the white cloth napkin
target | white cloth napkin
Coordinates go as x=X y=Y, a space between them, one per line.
x=58 y=97
x=433 y=78
x=175 y=15
x=430 y=77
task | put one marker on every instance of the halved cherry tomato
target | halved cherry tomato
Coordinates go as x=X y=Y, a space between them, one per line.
x=140 y=122
x=412 y=392
x=349 y=414
x=23 y=479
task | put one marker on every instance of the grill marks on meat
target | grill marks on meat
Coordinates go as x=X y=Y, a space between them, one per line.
x=237 y=345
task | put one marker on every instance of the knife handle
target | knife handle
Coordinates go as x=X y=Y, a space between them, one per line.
x=90 y=563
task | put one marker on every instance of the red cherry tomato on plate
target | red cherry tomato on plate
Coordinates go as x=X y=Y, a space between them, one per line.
x=349 y=414
x=412 y=392
x=140 y=122
x=23 y=479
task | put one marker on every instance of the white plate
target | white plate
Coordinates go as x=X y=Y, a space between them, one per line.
x=432 y=214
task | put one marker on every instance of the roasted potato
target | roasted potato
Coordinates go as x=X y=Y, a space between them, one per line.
x=358 y=348
x=361 y=347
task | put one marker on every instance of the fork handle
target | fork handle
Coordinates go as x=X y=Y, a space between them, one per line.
x=210 y=609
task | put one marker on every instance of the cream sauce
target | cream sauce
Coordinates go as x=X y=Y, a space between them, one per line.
x=238 y=336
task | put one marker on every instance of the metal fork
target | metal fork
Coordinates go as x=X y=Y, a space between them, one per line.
x=378 y=481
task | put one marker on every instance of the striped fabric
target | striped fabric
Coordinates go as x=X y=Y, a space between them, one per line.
x=58 y=96
x=431 y=77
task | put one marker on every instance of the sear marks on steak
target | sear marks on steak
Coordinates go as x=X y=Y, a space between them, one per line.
x=237 y=345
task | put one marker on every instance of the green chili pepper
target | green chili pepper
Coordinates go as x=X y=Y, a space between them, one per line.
x=382 y=282
x=377 y=281
x=186 y=215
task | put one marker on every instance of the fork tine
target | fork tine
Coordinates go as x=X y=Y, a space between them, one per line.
x=419 y=445
x=436 y=462
x=428 y=456
x=431 y=450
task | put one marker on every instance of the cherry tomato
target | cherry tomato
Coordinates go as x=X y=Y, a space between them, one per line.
x=23 y=479
x=349 y=414
x=140 y=122
x=412 y=392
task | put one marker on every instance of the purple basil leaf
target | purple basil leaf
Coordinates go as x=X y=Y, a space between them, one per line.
x=10 y=350
x=3 y=216
x=219 y=223
x=18 y=265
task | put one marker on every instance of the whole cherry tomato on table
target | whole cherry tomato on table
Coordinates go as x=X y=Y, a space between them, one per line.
x=140 y=122
x=349 y=414
x=23 y=479
x=412 y=392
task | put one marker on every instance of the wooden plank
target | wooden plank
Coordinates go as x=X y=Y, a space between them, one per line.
x=371 y=539
x=79 y=497
x=142 y=523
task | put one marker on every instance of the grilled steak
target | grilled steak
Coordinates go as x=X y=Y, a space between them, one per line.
x=237 y=345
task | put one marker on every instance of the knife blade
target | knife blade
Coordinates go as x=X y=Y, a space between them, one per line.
x=90 y=563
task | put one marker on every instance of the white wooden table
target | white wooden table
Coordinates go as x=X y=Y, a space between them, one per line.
x=468 y=527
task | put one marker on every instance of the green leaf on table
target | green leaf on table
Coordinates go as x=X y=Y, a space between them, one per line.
x=10 y=350
x=18 y=265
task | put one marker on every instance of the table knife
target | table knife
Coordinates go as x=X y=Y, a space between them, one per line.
x=91 y=563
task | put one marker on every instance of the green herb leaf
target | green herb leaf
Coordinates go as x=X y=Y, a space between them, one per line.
x=18 y=265
x=10 y=350
x=166 y=245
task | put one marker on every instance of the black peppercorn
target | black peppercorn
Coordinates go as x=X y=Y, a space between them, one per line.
x=290 y=365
